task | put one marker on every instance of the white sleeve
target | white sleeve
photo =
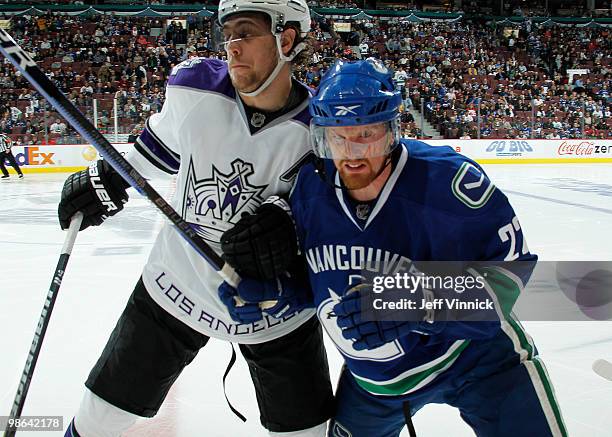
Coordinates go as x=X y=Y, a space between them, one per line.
x=156 y=150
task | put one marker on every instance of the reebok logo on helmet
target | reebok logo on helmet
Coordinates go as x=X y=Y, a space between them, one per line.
x=343 y=110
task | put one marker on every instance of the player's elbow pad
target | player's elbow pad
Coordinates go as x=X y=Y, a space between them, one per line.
x=98 y=192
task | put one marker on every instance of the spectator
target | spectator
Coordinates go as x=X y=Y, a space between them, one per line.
x=58 y=127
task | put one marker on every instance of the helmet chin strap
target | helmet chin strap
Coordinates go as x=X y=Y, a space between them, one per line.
x=282 y=59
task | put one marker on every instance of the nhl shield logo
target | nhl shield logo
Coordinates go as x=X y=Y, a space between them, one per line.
x=258 y=119
x=215 y=204
x=362 y=211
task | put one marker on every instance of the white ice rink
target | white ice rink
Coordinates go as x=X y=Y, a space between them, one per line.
x=565 y=211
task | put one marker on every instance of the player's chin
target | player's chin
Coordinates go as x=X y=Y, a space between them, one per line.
x=243 y=81
x=356 y=181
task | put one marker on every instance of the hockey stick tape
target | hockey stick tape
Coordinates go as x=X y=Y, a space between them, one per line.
x=230 y=276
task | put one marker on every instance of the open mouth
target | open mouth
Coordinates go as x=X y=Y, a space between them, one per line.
x=354 y=166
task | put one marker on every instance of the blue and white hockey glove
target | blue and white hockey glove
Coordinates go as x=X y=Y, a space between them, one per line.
x=291 y=295
x=374 y=333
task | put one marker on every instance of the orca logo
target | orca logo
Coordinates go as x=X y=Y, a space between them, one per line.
x=343 y=110
x=471 y=186
x=325 y=312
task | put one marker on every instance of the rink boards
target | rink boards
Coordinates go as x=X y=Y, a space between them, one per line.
x=69 y=158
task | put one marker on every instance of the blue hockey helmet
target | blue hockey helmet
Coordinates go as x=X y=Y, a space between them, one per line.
x=354 y=94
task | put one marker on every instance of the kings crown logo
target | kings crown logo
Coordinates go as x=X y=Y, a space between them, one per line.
x=215 y=204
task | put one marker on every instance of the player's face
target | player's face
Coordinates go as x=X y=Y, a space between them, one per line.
x=359 y=152
x=251 y=50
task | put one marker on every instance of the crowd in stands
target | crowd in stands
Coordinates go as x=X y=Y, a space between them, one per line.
x=470 y=79
x=100 y=58
x=519 y=85
x=336 y=4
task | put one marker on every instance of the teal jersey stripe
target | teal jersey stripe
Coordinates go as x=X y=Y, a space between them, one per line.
x=506 y=289
x=407 y=384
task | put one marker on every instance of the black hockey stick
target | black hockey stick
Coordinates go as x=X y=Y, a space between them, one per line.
x=41 y=328
x=22 y=61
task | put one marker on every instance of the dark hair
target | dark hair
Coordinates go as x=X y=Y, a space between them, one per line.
x=303 y=58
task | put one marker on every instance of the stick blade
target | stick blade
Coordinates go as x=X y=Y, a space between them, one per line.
x=603 y=368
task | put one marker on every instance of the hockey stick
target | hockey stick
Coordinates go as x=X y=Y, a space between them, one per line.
x=603 y=368
x=22 y=62
x=41 y=328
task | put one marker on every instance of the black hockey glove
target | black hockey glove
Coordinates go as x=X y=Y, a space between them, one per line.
x=262 y=245
x=98 y=192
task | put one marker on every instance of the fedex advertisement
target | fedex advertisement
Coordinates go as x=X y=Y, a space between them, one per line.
x=59 y=158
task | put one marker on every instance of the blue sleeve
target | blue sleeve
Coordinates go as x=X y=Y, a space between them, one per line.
x=489 y=241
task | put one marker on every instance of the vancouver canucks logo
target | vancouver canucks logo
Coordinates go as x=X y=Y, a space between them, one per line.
x=325 y=312
x=215 y=204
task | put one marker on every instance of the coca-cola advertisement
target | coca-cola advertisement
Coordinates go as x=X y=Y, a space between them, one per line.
x=576 y=148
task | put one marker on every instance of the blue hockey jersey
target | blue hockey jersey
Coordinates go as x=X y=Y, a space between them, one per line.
x=436 y=205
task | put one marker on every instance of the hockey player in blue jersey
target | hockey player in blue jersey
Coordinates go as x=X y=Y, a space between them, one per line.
x=377 y=204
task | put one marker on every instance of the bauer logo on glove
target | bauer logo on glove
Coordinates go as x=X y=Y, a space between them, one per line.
x=98 y=192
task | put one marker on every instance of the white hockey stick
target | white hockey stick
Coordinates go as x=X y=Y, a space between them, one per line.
x=603 y=368
x=41 y=328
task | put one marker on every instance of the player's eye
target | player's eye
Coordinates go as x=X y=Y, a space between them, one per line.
x=240 y=33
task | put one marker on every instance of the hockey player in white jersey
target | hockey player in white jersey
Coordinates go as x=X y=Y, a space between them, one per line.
x=233 y=133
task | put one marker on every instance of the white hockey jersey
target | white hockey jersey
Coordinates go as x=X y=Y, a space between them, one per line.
x=203 y=136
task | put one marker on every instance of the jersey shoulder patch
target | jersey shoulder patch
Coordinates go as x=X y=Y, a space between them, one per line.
x=203 y=74
x=472 y=186
x=440 y=171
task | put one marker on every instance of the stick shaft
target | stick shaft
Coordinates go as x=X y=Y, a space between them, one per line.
x=43 y=323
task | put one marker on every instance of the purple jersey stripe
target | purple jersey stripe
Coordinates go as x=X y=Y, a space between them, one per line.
x=158 y=151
